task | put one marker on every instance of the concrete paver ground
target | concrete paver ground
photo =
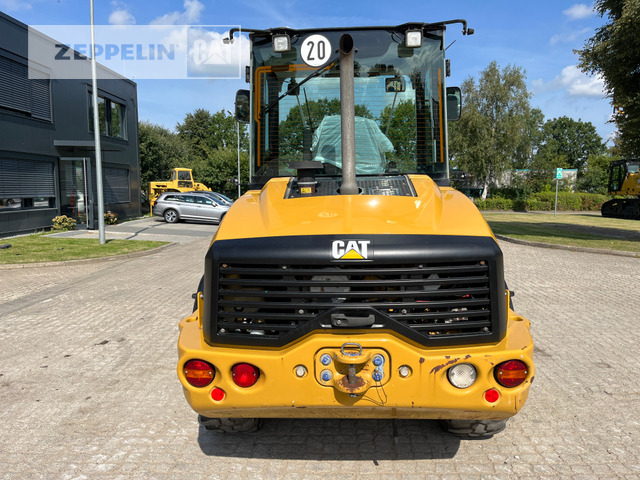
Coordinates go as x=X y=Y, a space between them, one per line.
x=88 y=385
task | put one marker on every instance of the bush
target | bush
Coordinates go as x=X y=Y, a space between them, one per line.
x=63 y=223
x=545 y=202
x=494 y=203
x=110 y=218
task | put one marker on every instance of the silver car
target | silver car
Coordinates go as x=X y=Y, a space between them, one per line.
x=176 y=206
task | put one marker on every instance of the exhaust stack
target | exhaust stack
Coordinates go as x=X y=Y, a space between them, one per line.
x=347 y=115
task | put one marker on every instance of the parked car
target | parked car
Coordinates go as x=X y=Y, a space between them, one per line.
x=219 y=198
x=196 y=206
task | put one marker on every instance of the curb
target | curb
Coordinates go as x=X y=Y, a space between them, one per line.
x=111 y=258
x=619 y=253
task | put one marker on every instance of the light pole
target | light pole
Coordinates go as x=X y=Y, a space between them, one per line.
x=96 y=132
x=238 y=135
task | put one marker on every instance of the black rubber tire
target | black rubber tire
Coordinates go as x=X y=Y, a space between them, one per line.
x=473 y=428
x=230 y=425
x=171 y=216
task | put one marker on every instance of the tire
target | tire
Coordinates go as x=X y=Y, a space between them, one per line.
x=171 y=216
x=230 y=425
x=473 y=428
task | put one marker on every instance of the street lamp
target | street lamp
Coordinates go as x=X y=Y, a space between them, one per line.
x=238 y=135
x=96 y=132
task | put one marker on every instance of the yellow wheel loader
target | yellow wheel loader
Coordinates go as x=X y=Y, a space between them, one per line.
x=624 y=179
x=351 y=280
x=181 y=181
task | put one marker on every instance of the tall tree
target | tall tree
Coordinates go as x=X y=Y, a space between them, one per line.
x=572 y=140
x=160 y=150
x=614 y=52
x=492 y=134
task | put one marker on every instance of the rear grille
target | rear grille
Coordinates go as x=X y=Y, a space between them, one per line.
x=434 y=300
x=273 y=299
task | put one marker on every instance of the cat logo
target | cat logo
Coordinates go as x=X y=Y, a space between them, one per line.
x=350 y=249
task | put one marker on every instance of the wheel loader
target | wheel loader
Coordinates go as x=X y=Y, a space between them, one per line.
x=181 y=181
x=351 y=280
x=624 y=179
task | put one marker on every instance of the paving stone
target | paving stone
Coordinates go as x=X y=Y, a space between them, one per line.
x=88 y=386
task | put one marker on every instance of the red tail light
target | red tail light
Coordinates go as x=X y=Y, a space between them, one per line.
x=199 y=373
x=245 y=375
x=511 y=373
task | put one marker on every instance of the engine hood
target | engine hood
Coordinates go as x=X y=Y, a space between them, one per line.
x=433 y=211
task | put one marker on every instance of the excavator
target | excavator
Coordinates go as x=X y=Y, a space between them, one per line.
x=624 y=179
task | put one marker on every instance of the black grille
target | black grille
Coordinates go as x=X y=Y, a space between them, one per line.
x=432 y=302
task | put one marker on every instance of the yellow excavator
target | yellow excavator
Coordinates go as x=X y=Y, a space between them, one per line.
x=181 y=181
x=624 y=179
x=352 y=280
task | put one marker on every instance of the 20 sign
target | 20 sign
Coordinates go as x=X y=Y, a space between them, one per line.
x=315 y=50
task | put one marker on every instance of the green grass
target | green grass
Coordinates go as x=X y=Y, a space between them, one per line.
x=44 y=248
x=577 y=230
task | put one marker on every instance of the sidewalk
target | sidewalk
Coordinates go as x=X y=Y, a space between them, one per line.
x=148 y=228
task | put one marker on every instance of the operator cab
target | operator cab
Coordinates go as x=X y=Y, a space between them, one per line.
x=401 y=103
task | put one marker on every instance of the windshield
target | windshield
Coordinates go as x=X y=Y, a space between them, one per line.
x=399 y=105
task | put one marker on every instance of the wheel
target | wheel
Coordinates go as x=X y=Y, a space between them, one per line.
x=230 y=425
x=171 y=216
x=473 y=428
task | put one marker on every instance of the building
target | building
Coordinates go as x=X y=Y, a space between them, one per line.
x=47 y=157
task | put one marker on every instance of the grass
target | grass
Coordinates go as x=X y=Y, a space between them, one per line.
x=44 y=248
x=577 y=230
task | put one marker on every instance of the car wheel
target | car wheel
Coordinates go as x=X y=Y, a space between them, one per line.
x=171 y=216
x=473 y=428
x=230 y=425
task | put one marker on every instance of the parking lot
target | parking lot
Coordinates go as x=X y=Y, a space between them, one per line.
x=88 y=385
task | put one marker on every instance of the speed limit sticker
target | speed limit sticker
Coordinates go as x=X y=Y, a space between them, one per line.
x=315 y=50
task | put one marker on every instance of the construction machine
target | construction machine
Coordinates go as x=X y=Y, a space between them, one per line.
x=351 y=280
x=181 y=181
x=624 y=179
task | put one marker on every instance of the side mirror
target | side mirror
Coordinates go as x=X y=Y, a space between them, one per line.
x=243 y=109
x=454 y=103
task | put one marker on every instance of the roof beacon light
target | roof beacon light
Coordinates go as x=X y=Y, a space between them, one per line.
x=281 y=43
x=413 y=38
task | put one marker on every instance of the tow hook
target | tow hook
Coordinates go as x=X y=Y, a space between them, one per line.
x=351 y=369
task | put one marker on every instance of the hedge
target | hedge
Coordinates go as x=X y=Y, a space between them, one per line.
x=545 y=201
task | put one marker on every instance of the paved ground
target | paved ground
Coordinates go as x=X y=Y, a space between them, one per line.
x=88 y=386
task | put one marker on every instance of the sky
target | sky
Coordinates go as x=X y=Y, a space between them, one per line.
x=538 y=36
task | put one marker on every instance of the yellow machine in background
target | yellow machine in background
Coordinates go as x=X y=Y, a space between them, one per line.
x=181 y=181
x=351 y=280
x=624 y=179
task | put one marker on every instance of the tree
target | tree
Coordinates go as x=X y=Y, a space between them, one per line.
x=614 y=53
x=292 y=128
x=572 y=140
x=212 y=140
x=401 y=130
x=160 y=150
x=595 y=178
x=195 y=131
x=492 y=134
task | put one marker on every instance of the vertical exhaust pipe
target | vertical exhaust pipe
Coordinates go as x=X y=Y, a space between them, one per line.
x=347 y=116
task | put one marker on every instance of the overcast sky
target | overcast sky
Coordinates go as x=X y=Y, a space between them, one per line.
x=538 y=36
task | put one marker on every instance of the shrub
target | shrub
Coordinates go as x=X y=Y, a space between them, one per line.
x=494 y=203
x=63 y=223
x=110 y=218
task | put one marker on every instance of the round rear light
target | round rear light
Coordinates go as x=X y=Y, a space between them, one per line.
x=245 y=375
x=492 y=395
x=462 y=375
x=511 y=373
x=198 y=373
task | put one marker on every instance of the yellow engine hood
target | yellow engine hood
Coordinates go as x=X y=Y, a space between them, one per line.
x=434 y=211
